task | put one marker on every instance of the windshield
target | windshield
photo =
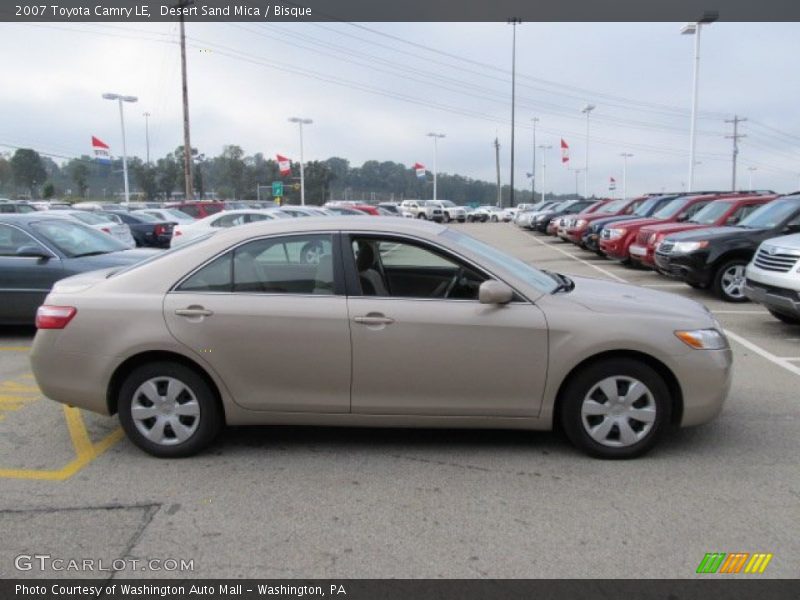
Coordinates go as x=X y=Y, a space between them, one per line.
x=772 y=214
x=711 y=213
x=612 y=207
x=146 y=217
x=75 y=239
x=671 y=208
x=91 y=218
x=160 y=255
x=541 y=281
x=646 y=207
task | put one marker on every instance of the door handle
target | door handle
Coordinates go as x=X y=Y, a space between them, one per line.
x=194 y=311
x=374 y=320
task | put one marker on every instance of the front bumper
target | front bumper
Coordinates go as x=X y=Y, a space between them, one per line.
x=642 y=254
x=780 y=300
x=690 y=268
x=705 y=380
x=614 y=249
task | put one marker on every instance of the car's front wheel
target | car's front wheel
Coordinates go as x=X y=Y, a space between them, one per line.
x=615 y=408
x=168 y=410
x=729 y=281
x=788 y=319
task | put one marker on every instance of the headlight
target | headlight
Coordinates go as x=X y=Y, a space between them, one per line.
x=616 y=233
x=703 y=339
x=541 y=218
x=686 y=247
x=580 y=223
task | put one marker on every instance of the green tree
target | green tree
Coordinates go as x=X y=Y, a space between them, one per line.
x=145 y=177
x=167 y=175
x=48 y=191
x=6 y=174
x=28 y=169
x=79 y=171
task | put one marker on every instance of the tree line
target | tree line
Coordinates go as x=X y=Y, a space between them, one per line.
x=234 y=175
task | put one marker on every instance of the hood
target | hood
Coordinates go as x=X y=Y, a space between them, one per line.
x=667 y=228
x=121 y=258
x=709 y=233
x=599 y=223
x=612 y=298
x=640 y=222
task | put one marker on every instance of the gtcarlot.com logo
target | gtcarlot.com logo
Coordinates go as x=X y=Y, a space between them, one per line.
x=734 y=562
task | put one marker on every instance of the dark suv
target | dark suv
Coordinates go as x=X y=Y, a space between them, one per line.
x=716 y=257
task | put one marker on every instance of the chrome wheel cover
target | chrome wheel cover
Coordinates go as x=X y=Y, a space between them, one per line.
x=618 y=411
x=165 y=411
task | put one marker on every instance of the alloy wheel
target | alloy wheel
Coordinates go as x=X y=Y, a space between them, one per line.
x=733 y=281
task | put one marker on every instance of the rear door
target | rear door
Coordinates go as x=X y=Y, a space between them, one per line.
x=272 y=326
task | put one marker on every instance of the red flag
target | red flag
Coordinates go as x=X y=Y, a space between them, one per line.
x=284 y=165
x=419 y=168
x=612 y=183
x=564 y=151
x=102 y=153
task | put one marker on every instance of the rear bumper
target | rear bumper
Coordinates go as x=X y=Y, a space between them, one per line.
x=777 y=299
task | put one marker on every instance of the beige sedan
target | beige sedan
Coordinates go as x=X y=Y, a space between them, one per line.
x=395 y=323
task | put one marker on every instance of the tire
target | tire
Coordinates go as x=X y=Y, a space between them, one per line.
x=697 y=286
x=583 y=389
x=495 y=219
x=421 y=216
x=446 y=218
x=788 y=319
x=729 y=280
x=202 y=420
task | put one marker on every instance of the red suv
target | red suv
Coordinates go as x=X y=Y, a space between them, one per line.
x=198 y=210
x=723 y=212
x=616 y=240
x=578 y=225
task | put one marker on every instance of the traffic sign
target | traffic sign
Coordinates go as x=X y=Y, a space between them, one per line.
x=277 y=188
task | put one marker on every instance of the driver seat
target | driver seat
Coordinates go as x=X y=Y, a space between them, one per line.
x=371 y=281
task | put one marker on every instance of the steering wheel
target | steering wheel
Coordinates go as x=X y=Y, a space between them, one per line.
x=453 y=282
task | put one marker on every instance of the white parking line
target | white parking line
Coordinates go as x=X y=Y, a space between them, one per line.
x=740 y=312
x=781 y=362
x=664 y=285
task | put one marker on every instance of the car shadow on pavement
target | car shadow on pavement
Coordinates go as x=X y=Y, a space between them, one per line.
x=17 y=331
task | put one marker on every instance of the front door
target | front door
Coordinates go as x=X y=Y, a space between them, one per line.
x=424 y=345
x=270 y=324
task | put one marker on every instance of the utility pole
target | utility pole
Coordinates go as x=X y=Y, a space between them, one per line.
x=436 y=137
x=497 y=161
x=147 y=135
x=514 y=22
x=534 y=120
x=587 y=110
x=577 y=172
x=544 y=169
x=735 y=137
x=625 y=156
x=187 y=144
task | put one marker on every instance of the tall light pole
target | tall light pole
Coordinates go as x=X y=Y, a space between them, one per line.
x=146 y=116
x=436 y=137
x=751 y=170
x=587 y=110
x=625 y=156
x=694 y=29
x=577 y=172
x=544 y=148
x=120 y=99
x=187 y=144
x=513 y=22
x=300 y=122
x=534 y=120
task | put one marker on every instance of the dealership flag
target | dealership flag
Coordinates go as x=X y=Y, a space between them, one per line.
x=284 y=165
x=564 y=151
x=102 y=153
x=420 y=169
x=612 y=184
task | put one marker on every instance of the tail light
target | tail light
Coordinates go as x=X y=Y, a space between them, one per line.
x=54 y=317
x=106 y=229
x=159 y=230
x=176 y=232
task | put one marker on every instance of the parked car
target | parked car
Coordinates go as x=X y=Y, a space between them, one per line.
x=451 y=211
x=568 y=207
x=345 y=211
x=616 y=240
x=773 y=278
x=50 y=205
x=184 y=233
x=172 y=215
x=591 y=237
x=577 y=225
x=422 y=209
x=557 y=226
x=720 y=212
x=291 y=210
x=103 y=223
x=485 y=213
x=37 y=249
x=221 y=336
x=16 y=207
x=525 y=218
x=98 y=206
x=198 y=210
x=367 y=208
x=392 y=207
x=146 y=229
x=716 y=257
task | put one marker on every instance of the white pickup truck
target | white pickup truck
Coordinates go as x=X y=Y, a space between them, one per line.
x=422 y=209
x=773 y=278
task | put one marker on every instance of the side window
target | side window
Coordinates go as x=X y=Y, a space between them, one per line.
x=12 y=239
x=6 y=208
x=190 y=210
x=301 y=264
x=740 y=213
x=389 y=267
x=693 y=209
x=227 y=221
x=216 y=276
x=254 y=217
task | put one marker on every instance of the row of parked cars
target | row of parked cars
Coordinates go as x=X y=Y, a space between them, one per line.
x=739 y=245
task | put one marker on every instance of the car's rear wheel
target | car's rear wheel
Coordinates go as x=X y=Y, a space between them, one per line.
x=615 y=408
x=168 y=410
x=729 y=281
x=789 y=319
x=421 y=216
x=494 y=219
x=446 y=217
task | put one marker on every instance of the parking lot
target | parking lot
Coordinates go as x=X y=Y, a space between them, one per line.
x=290 y=502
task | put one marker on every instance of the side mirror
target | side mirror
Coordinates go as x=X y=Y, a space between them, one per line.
x=792 y=228
x=33 y=251
x=495 y=292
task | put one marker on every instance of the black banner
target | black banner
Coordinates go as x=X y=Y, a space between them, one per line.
x=733 y=588
x=401 y=11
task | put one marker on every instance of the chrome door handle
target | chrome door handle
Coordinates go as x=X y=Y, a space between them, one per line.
x=374 y=320
x=194 y=312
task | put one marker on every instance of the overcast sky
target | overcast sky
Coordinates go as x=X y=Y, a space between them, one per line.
x=375 y=90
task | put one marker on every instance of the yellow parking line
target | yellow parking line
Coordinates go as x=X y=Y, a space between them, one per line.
x=85 y=451
x=18 y=388
x=14 y=348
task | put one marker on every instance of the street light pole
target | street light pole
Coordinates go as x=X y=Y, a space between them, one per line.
x=625 y=156
x=544 y=149
x=147 y=135
x=300 y=122
x=534 y=120
x=587 y=111
x=120 y=99
x=514 y=22
x=694 y=29
x=436 y=137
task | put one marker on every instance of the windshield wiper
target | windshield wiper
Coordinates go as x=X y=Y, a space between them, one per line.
x=94 y=253
x=565 y=284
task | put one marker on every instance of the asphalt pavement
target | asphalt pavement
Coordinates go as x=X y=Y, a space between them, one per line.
x=290 y=502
